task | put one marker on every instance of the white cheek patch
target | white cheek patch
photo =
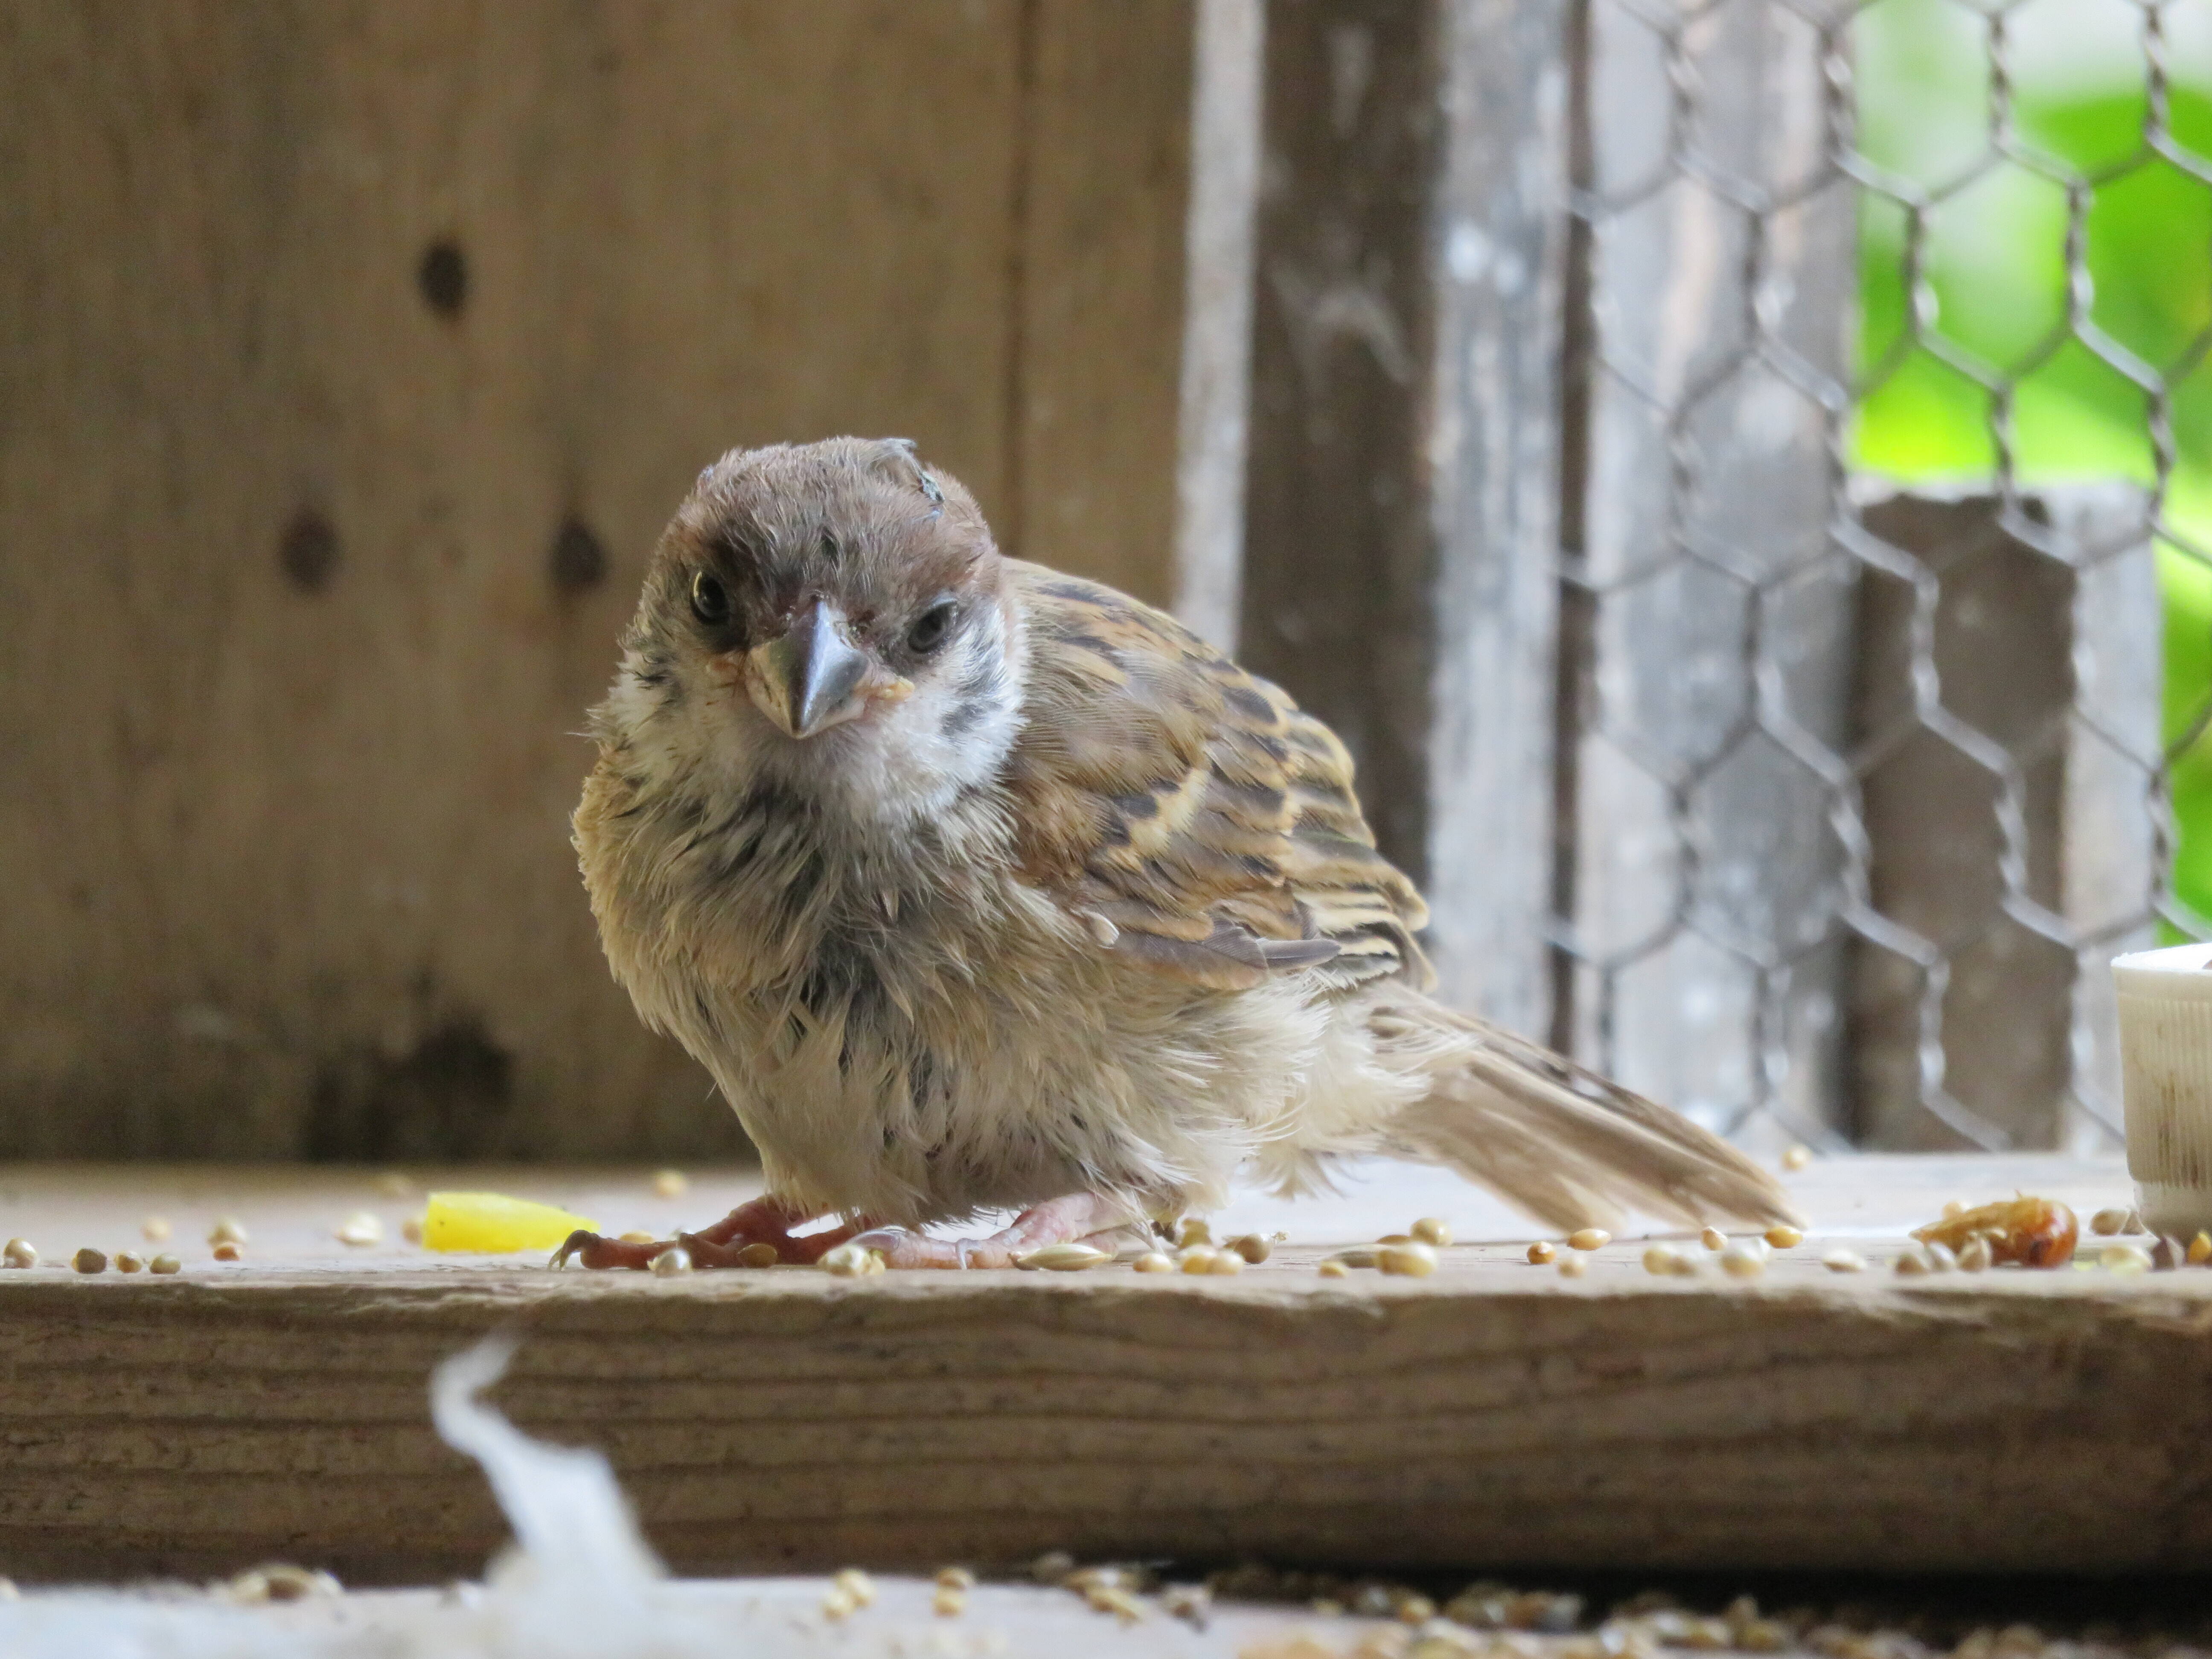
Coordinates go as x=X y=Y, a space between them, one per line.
x=897 y=763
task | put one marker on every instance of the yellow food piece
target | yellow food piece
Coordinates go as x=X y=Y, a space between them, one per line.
x=494 y=1222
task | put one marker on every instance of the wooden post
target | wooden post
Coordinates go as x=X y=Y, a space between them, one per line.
x=1705 y=654
x=1400 y=521
x=2009 y=823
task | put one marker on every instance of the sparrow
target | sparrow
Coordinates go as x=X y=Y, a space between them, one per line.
x=982 y=888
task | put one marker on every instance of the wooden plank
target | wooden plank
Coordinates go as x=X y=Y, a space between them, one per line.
x=1401 y=505
x=1107 y=169
x=2008 y=826
x=1213 y=423
x=1493 y=1412
x=364 y=350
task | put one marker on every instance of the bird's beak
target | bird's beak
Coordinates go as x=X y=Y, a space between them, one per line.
x=809 y=679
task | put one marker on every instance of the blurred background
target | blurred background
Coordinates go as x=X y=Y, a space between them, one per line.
x=1739 y=474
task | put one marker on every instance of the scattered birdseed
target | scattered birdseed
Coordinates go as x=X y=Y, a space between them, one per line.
x=957 y=1578
x=2200 y=1249
x=1974 y=1255
x=1589 y=1238
x=20 y=1252
x=165 y=1263
x=670 y=1183
x=1784 y=1237
x=674 y=1260
x=1253 y=1247
x=2106 y=1223
x=1408 y=1260
x=1541 y=1251
x=1154 y=1261
x=359 y=1230
x=2036 y=1232
x=1432 y=1230
x=1659 y=1260
x=635 y=1237
x=90 y=1261
x=394 y=1184
x=1064 y=1258
x=129 y=1262
x=280 y=1580
x=412 y=1230
x=1796 y=1158
x=1713 y=1239
x=758 y=1256
x=858 y=1585
x=1192 y=1603
x=1334 y=1270
x=948 y=1601
x=1112 y=1598
x=2125 y=1258
x=1194 y=1232
x=850 y=1260
x=1573 y=1266
x=1739 y=1263
x=154 y=1229
x=227 y=1229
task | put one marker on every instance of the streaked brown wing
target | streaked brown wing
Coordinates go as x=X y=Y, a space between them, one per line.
x=1191 y=811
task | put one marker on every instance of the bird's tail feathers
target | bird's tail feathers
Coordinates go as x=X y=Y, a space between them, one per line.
x=1570 y=1147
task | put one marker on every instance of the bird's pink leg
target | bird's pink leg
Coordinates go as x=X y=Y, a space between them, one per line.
x=766 y=1220
x=1087 y=1217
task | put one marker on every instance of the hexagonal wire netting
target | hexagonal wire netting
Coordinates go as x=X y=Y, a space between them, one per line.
x=1888 y=421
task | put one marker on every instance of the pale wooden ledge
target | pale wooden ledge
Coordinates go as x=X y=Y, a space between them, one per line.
x=1493 y=1415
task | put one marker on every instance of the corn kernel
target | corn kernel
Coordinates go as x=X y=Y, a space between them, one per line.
x=165 y=1263
x=154 y=1229
x=227 y=1229
x=1334 y=1270
x=1573 y=1266
x=1432 y=1230
x=359 y=1229
x=90 y=1261
x=758 y=1256
x=20 y=1252
x=1589 y=1238
x=669 y=1183
x=1541 y=1251
x=229 y=1251
x=1783 y=1237
x=1154 y=1261
x=948 y=1601
x=671 y=1262
x=1843 y=1262
x=1660 y=1261
x=1408 y=1260
x=1713 y=1239
x=957 y=1578
x=129 y=1262
x=2200 y=1249
x=1796 y=1158
x=2107 y=1221
x=1739 y=1263
x=1253 y=1247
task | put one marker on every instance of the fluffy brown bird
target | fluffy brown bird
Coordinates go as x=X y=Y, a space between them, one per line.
x=979 y=887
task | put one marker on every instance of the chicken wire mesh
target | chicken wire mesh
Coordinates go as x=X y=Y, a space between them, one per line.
x=1885 y=417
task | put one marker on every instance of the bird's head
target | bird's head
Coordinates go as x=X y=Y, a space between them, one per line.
x=829 y=619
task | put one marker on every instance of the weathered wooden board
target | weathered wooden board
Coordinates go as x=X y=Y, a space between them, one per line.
x=1493 y=1414
x=351 y=357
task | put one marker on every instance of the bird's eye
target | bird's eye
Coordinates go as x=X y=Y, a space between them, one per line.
x=931 y=627
x=710 y=600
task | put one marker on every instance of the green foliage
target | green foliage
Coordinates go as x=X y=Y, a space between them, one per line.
x=1994 y=362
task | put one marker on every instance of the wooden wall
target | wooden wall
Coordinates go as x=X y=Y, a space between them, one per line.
x=351 y=356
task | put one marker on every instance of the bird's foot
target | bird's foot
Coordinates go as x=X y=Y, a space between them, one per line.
x=1079 y=1218
x=739 y=1239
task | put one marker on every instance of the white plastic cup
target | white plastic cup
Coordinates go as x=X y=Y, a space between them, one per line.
x=2165 y=1081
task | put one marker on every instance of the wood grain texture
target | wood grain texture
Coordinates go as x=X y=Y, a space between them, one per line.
x=309 y=580
x=1493 y=1415
x=787 y=1419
